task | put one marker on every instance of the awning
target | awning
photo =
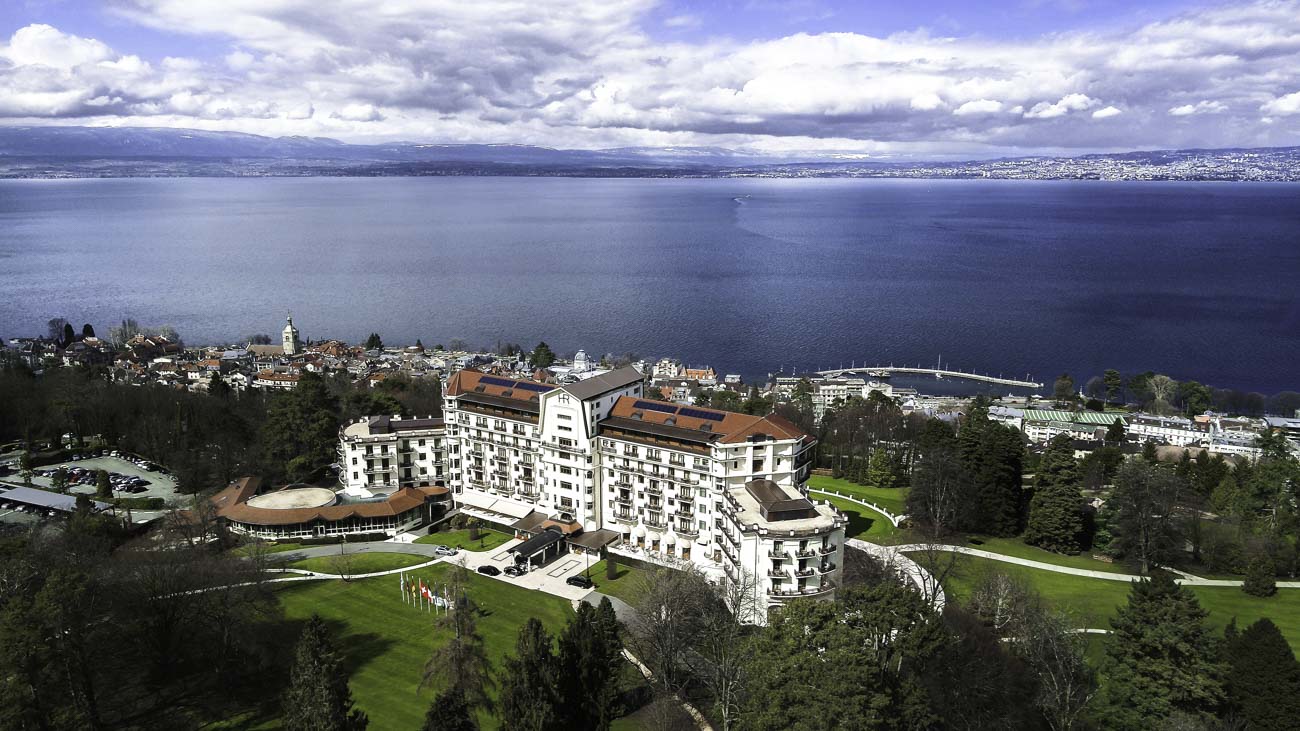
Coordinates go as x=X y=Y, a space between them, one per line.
x=508 y=508
x=537 y=543
x=595 y=540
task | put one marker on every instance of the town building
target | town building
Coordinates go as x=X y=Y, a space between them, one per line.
x=289 y=338
x=1040 y=425
x=379 y=455
x=610 y=469
x=1173 y=430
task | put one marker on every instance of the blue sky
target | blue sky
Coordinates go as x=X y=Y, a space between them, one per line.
x=793 y=77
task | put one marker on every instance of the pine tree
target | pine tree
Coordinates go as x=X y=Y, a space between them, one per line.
x=450 y=712
x=103 y=488
x=460 y=662
x=1149 y=453
x=374 y=342
x=1260 y=576
x=588 y=670
x=1160 y=659
x=87 y=331
x=880 y=472
x=529 y=699
x=1056 y=511
x=1263 y=676
x=542 y=356
x=1115 y=432
x=318 y=698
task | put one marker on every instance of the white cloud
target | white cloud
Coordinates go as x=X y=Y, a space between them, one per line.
x=1202 y=107
x=1283 y=105
x=585 y=73
x=1068 y=103
x=682 y=21
x=979 y=106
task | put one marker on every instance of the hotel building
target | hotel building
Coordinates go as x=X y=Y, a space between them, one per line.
x=379 y=455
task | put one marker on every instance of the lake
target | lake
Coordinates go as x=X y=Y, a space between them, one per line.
x=1198 y=280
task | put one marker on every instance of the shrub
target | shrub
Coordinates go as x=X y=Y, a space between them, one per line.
x=1260 y=580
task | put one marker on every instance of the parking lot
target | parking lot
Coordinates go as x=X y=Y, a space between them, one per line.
x=158 y=484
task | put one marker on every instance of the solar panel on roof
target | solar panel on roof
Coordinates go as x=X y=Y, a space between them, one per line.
x=533 y=387
x=699 y=414
x=494 y=381
x=656 y=406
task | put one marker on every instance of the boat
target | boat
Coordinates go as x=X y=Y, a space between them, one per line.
x=878 y=374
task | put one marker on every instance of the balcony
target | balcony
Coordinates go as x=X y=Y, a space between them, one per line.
x=805 y=573
x=625 y=518
x=778 y=555
x=826 y=567
x=828 y=550
x=774 y=573
x=826 y=588
x=623 y=501
x=658 y=490
x=808 y=553
x=655 y=523
x=688 y=532
x=380 y=470
x=686 y=514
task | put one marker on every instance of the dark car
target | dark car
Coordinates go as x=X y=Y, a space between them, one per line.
x=489 y=570
x=579 y=581
x=515 y=571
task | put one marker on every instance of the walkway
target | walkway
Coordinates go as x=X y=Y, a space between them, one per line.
x=1187 y=579
x=895 y=519
x=913 y=571
x=838 y=372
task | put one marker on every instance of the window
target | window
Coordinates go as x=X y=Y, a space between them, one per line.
x=564 y=417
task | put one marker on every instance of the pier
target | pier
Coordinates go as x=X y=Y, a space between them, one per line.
x=945 y=373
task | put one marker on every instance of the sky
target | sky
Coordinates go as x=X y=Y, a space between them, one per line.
x=887 y=80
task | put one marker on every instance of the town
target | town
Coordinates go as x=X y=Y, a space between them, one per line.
x=592 y=480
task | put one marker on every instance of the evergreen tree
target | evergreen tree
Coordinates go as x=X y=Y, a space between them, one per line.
x=460 y=662
x=103 y=488
x=1056 y=511
x=300 y=433
x=1145 y=526
x=450 y=712
x=1263 y=676
x=589 y=668
x=318 y=698
x=542 y=356
x=880 y=470
x=993 y=457
x=1063 y=389
x=1160 y=659
x=87 y=331
x=374 y=342
x=1149 y=453
x=1260 y=576
x=1115 y=432
x=69 y=335
x=529 y=699
x=1114 y=384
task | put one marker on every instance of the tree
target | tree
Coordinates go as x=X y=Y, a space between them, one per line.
x=318 y=698
x=1063 y=389
x=529 y=698
x=1114 y=384
x=103 y=488
x=1160 y=659
x=54 y=328
x=542 y=356
x=880 y=469
x=450 y=712
x=1260 y=580
x=59 y=481
x=1163 y=389
x=68 y=336
x=721 y=659
x=25 y=470
x=460 y=662
x=87 y=331
x=1115 y=432
x=589 y=661
x=992 y=456
x=668 y=621
x=300 y=433
x=1263 y=676
x=374 y=342
x=1144 y=502
x=1056 y=510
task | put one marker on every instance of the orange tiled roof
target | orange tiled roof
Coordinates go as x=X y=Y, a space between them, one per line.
x=731 y=427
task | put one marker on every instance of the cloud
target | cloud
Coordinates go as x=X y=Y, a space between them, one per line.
x=1068 y=103
x=682 y=21
x=586 y=73
x=979 y=106
x=1283 y=105
x=1202 y=107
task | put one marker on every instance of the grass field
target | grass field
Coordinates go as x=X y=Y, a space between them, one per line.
x=360 y=563
x=864 y=523
x=387 y=642
x=892 y=499
x=623 y=585
x=1017 y=548
x=1094 y=601
x=268 y=547
x=488 y=539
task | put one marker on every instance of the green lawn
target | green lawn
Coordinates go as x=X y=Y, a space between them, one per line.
x=360 y=563
x=623 y=585
x=488 y=539
x=1093 y=601
x=892 y=499
x=1017 y=548
x=387 y=642
x=269 y=547
x=864 y=522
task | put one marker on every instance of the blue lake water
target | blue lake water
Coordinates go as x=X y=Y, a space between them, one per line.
x=1199 y=280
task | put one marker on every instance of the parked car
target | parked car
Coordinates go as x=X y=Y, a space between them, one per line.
x=515 y=570
x=579 y=581
x=444 y=551
x=489 y=570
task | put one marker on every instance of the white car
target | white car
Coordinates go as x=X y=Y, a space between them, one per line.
x=444 y=551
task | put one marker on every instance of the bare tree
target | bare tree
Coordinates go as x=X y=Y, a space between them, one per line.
x=669 y=619
x=1055 y=653
x=721 y=658
x=1003 y=601
x=342 y=563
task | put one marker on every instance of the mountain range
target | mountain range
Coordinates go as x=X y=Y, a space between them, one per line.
x=66 y=151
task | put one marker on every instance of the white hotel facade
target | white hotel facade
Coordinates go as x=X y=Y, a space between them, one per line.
x=672 y=483
x=379 y=455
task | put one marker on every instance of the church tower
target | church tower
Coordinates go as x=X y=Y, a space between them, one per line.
x=291 y=343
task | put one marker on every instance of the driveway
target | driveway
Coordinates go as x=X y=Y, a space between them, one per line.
x=549 y=579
